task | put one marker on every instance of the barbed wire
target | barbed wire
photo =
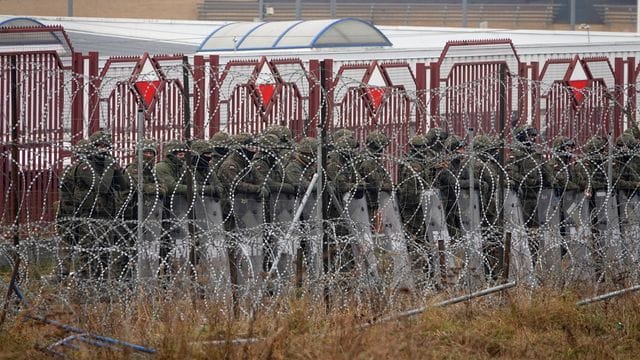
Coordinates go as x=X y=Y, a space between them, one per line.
x=409 y=212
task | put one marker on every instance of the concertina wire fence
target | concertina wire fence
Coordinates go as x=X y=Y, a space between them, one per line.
x=424 y=225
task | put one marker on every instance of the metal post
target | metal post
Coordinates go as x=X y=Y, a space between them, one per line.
x=260 y=10
x=464 y=13
x=332 y=8
x=572 y=14
x=298 y=9
x=140 y=189
x=69 y=8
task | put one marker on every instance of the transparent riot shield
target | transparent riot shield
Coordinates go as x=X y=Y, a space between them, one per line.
x=550 y=246
x=629 y=213
x=285 y=245
x=312 y=232
x=362 y=245
x=472 y=274
x=396 y=240
x=180 y=244
x=212 y=266
x=578 y=261
x=440 y=260
x=249 y=217
x=148 y=247
x=520 y=260
x=608 y=241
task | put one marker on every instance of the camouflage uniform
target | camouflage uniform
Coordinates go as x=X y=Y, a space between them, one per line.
x=67 y=226
x=372 y=170
x=221 y=142
x=302 y=167
x=173 y=174
x=529 y=172
x=627 y=164
x=96 y=182
x=151 y=187
x=414 y=176
x=450 y=181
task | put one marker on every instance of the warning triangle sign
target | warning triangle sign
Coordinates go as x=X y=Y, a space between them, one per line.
x=147 y=89
x=266 y=84
x=147 y=81
x=578 y=82
x=376 y=88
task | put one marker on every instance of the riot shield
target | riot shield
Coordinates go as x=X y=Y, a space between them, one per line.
x=397 y=242
x=249 y=217
x=312 y=231
x=520 y=260
x=608 y=240
x=550 y=246
x=629 y=213
x=180 y=244
x=469 y=206
x=440 y=260
x=149 y=246
x=282 y=207
x=212 y=266
x=363 y=245
x=578 y=261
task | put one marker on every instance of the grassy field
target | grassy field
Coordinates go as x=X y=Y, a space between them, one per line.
x=510 y=325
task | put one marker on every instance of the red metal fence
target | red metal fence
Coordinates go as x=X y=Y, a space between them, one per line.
x=59 y=104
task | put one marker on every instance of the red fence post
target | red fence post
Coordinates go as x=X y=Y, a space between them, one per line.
x=631 y=90
x=421 y=97
x=328 y=92
x=198 y=97
x=619 y=108
x=315 y=97
x=434 y=95
x=77 y=98
x=94 y=98
x=214 y=96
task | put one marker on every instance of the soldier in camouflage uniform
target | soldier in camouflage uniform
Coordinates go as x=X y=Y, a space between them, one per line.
x=151 y=187
x=221 y=142
x=372 y=170
x=174 y=175
x=247 y=193
x=449 y=180
x=414 y=177
x=530 y=173
x=95 y=183
x=68 y=208
x=487 y=166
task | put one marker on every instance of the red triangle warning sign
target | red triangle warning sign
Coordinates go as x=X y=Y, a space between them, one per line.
x=376 y=94
x=577 y=86
x=266 y=92
x=147 y=90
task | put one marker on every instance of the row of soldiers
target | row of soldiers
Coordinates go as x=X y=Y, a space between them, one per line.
x=229 y=187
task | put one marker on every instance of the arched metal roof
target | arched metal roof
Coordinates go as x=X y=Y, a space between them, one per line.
x=347 y=32
x=25 y=34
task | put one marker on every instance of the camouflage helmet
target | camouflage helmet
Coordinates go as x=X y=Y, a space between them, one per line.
x=377 y=139
x=307 y=146
x=83 y=147
x=147 y=145
x=486 y=142
x=561 y=143
x=418 y=142
x=101 y=138
x=201 y=146
x=454 y=142
x=627 y=140
x=595 y=145
x=175 y=146
x=436 y=134
x=525 y=133
x=241 y=140
x=220 y=139
x=283 y=133
x=269 y=141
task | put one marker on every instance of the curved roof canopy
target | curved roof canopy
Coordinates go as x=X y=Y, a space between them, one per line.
x=294 y=34
x=27 y=34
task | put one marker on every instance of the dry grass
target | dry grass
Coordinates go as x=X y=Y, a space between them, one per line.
x=546 y=325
